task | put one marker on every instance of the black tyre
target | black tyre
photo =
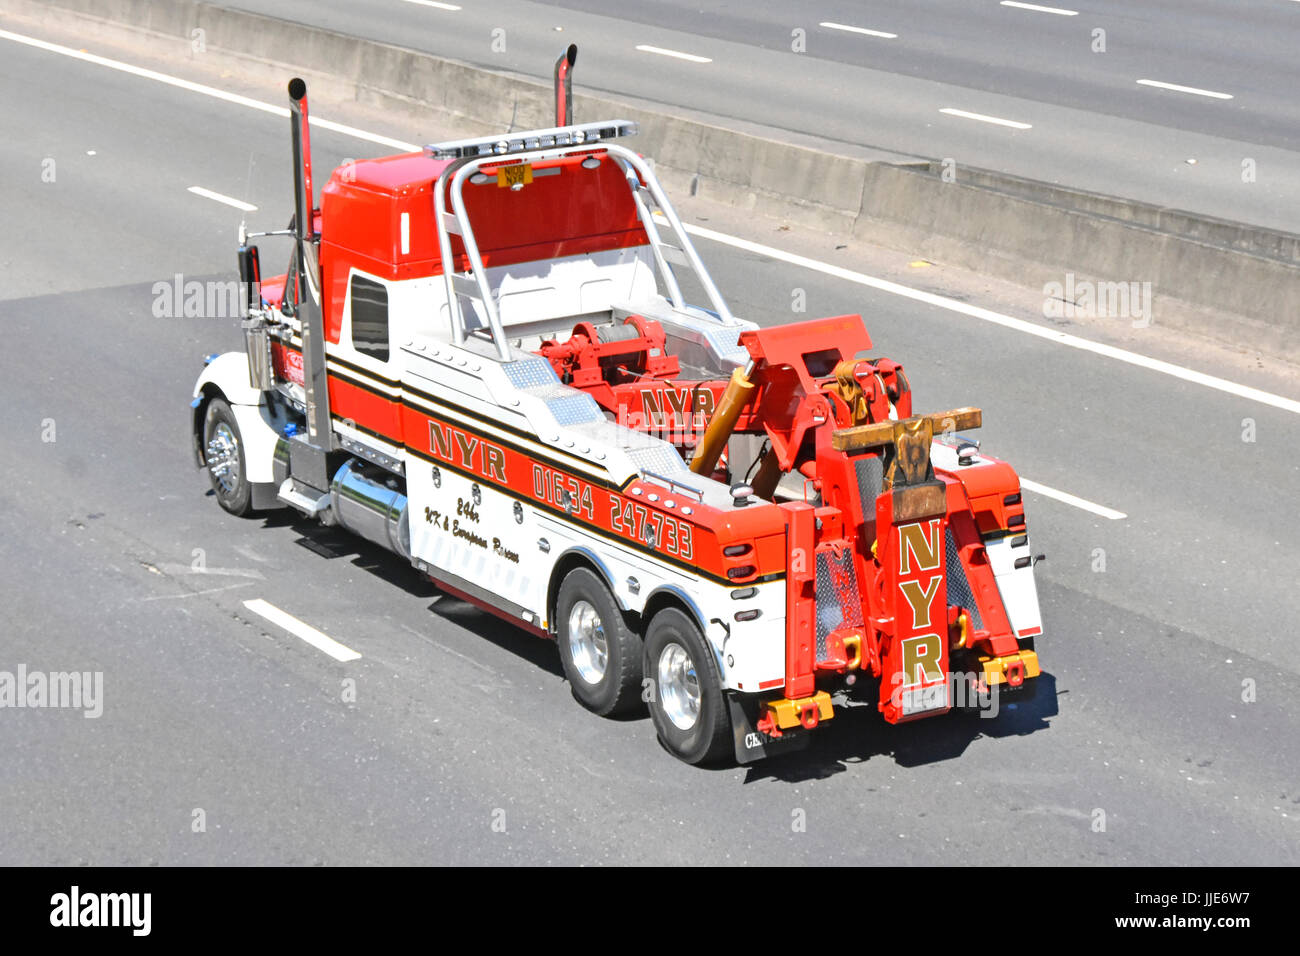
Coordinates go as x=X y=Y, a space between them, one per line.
x=600 y=653
x=687 y=707
x=223 y=450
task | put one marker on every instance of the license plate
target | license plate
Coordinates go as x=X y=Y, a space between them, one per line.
x=921 y=699
x=521 y=174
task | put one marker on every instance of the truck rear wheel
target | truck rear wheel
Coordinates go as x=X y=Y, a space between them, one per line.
x=600 y=653
x=687 y=707
x=223 y=450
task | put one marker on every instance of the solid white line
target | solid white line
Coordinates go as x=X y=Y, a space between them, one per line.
x=201 y=88
x=985 y=119
x=1033 y=6
x=674 y=53
x=1070 y=499
x=435 y=4
x=1185 y=89
x=222 y=198
x=1007 y=321
x=865 y=32
x=305 y=631
x=884 y=285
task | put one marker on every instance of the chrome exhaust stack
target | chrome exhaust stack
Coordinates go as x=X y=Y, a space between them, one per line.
x=319 y=430
x=303 y=193
x=564 y=86
x=309 y=467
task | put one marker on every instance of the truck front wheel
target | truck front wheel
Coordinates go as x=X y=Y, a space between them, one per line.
x=687 y=707
x=223 y=451
x=600 y=653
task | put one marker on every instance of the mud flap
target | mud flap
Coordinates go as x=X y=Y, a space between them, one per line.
x=266 y=496
x=751 y=745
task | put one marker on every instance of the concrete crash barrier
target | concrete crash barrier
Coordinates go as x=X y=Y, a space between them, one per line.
x=1229 y=281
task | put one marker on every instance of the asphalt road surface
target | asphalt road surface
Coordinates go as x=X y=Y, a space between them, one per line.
x=1165 y=731
x=1076 y=84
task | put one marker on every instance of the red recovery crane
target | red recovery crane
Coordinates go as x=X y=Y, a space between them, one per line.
x=887 y=569
x=481 y=359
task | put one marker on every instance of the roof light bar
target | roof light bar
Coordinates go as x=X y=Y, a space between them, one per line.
x=581 y=134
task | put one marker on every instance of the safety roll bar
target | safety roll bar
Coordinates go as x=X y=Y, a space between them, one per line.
x=469 y=156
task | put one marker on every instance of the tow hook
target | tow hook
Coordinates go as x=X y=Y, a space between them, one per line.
x=809 y=715
x=1012 y=670
x=806 y=712
x=767 y=725
x=853 y=648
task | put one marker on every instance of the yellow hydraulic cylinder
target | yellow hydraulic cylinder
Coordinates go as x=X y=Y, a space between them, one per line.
x=739 y=391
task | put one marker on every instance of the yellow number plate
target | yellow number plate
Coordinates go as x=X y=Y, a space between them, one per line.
x=521 y=174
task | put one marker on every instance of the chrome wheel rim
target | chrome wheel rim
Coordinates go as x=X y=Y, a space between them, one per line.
x=588 y=645
x=679 y=686
x=223 y=458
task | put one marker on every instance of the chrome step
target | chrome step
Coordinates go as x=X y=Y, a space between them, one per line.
x=305 y=503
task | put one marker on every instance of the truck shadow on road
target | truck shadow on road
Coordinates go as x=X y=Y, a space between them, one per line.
x=332 y=543
x=529 y=647
x=858 y=733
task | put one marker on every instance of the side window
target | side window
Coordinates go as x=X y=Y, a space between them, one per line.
x=370 y=317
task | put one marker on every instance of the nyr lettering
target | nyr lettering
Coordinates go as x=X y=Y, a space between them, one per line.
x=457 y=447
x=920 y=582
x=676 y=408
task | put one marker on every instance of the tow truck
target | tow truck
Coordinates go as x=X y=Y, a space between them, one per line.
x=480 y=358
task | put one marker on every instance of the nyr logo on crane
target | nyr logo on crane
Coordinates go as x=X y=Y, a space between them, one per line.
x=920 y=650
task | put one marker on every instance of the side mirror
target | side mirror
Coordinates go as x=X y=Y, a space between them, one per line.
x=250 y=277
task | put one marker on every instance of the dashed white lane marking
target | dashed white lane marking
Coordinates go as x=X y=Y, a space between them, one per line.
x=690 y=57
x=1069 y=499
x=1038 y=9
x=222 y=198
x=1185 y=89
x=1009 y=322
x=435 y=4
x=884 y=285
x=996 y=121
x=306 y=632
x=863 y=30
